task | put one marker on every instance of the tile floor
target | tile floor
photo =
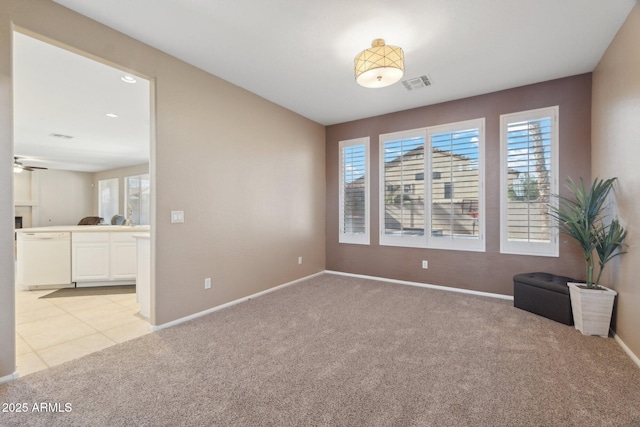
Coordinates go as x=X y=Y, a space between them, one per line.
x=51 y=331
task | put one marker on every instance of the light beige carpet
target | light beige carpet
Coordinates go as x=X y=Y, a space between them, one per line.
x=338 y=351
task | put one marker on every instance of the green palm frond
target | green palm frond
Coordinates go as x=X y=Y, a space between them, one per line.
x=580 y=216
x=610 y=243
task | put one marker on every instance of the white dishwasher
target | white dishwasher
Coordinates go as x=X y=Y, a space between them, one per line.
x=44 y=258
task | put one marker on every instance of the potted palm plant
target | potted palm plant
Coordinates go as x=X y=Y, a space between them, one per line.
x=582 y=217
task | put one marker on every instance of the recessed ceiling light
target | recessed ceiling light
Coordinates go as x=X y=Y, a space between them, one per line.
x=61 y=135
x=111 y=115
x=128 y=79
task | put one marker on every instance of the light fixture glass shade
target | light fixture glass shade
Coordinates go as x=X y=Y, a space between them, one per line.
x=380 y=65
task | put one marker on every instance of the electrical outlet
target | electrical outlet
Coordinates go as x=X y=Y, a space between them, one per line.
x=425 y=264
x=299 y=260
x=177 y=217
x=207 y=283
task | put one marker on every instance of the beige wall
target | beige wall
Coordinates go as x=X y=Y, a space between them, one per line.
x=22 y=188
x=487 y=271
x=7 y=306
x=63 y=197
x=248 y=174
x=615 y=152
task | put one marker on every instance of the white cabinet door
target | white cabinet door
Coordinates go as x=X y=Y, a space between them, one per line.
x=90 y=259
x=123 y=256
x=44 y=259
x=143 y=276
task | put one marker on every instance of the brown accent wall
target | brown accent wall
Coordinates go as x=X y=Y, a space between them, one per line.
x=489 y=271
x=248 y=174
x=615 y=152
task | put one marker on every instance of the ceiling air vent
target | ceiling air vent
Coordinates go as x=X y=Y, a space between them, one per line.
x=417 y=83
x=60 y=135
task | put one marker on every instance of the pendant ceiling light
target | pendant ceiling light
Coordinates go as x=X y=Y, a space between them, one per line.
x=380 y=65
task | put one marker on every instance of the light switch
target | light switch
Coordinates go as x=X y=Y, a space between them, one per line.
x=177 y=217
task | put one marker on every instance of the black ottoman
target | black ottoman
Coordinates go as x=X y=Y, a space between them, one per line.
x=544 y=294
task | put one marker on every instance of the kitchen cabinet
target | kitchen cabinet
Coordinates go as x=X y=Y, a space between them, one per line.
x=143 y=277
x=100 y=256
x=122 y=252
x=90 y=257
x=93 y=255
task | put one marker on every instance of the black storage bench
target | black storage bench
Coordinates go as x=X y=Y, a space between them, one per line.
x=544 y=294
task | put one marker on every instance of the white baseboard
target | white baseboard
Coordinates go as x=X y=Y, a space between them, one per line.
x=626 y=349
x=10 y=377
x=155 y=328
x=424 y=285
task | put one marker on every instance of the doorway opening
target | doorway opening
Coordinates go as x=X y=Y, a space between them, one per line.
x=79 y=122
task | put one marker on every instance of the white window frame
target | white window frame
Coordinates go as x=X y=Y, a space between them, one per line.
x=105 y=211
x=427 y=240
x=551 y=248
x=388 y=239
x=127 y=207
x=446 y=242
x=343 y=236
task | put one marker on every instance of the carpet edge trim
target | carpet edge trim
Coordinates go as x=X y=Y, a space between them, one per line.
x=155 y=328
x=424 y=285
x=626 y=349
x=9 y=378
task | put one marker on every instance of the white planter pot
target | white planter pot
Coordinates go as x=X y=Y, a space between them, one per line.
x=592 y=309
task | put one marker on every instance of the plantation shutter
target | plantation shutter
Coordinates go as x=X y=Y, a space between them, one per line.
x=403 y=177
x=455 y=184
x=529 y=181
x=354 y=191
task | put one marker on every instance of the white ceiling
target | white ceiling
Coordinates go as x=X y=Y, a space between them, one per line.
x=59 y=92
x=299 y=54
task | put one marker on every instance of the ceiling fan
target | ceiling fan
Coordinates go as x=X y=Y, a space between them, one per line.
x=19 y=167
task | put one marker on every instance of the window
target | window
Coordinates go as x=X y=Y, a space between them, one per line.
x=108 y=205
x=445 y=211
x=529 y=176
x=402 y=214
x=354 y=191
x=137 y=193
x=457 y=186
x=448 y=190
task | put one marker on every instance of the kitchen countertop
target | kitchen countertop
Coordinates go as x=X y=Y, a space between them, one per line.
x=84 y=228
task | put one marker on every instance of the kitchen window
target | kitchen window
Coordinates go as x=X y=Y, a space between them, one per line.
x=108 y=202
x=137 y=195
x=529 y=178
